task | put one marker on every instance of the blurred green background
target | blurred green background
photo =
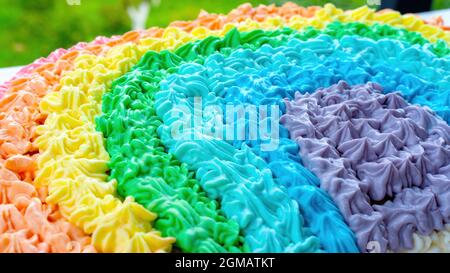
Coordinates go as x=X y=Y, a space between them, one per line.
x=33 y=28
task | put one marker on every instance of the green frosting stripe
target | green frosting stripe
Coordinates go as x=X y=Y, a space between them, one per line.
x=380 y=31
x=156 y=179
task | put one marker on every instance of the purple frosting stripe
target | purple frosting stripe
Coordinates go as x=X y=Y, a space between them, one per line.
x=384 y=162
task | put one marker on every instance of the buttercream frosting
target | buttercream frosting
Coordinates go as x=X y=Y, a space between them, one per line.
x=385 y=167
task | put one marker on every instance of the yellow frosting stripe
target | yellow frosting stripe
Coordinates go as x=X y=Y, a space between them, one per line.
x=369 y=16
x=364 y=14
x=73 y=160
x=329 y=13
x=394 y=18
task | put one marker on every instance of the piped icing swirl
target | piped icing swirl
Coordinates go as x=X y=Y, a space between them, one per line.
x=373 y=154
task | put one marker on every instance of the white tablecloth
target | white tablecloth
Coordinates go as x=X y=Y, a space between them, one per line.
x=445 y=13
x=8 y=73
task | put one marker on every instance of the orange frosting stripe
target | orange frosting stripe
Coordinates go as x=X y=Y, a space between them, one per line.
x=246 y=12
x=27 y=224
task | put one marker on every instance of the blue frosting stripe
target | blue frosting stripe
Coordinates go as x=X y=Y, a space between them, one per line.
x=219 y=82
x=239 y=178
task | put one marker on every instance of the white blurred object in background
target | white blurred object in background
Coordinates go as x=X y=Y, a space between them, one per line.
x=444 y=13
x=8 y=73
x=139 y=14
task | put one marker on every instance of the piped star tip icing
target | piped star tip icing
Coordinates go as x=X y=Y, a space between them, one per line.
x=361 y=142
x=88 y=162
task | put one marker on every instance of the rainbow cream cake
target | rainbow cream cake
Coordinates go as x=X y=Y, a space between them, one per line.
x=269 y=129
